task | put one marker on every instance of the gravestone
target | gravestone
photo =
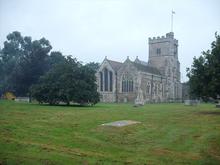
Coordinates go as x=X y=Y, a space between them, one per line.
x=191 y=102
x=121 y=123
x=139 y=101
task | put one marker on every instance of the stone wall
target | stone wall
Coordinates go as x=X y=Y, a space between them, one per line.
x=106 y=96
x=166 y=60
x=130 y=70
x=163 y=55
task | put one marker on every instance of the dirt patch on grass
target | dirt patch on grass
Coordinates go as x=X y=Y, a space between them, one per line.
x=161 y=151
x=196 y=136
x=209 y=113
x=58 y=148
x=171 y=153
x=214 y=150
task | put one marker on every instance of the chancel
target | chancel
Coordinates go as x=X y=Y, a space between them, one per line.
x=157 y=80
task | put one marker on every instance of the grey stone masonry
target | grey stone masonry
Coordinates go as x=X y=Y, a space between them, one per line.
x=157 y=80
x=163 y=55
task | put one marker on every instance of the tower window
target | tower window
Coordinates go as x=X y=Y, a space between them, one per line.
x=158 y=51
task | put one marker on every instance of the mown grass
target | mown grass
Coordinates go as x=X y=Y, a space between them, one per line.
x=168 y=134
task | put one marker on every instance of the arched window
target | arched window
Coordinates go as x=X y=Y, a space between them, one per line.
x=106 y=79
x=111 y=80
x=101 y=81
x=127 y=83
x=130 y=85
x=158 y=51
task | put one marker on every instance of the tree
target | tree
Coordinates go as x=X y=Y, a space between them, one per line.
x=55 y=58
x=53 y=78
x=68 y=81
x=10 y=55
x=93 y=66
x=23 y=62
x=33 y=64
x=204 y=75
x=86 y=87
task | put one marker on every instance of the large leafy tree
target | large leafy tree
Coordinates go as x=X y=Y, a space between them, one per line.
x=23 y=62
x=67 y=81
x=86 y=87
x=56 y=57
x=53 y=78
x=10 y=55
x=93 y=66
x=204 y=75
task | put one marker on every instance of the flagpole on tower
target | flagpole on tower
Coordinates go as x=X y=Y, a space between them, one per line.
x=172 y=20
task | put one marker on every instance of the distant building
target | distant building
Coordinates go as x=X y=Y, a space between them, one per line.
x=157 y=80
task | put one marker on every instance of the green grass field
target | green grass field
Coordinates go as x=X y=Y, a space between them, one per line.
x=168 y=134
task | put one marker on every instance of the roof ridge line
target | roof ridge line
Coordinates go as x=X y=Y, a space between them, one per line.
x=115 y=61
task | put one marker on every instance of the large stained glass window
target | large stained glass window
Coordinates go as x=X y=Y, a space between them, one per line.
x=106 y=80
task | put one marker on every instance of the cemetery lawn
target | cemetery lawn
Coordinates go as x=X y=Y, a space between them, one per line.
x=168 y=134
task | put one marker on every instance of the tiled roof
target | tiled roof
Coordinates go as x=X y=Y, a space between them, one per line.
x=142 y=67
x=115 y=65
x=145 y=68
x=140 y=62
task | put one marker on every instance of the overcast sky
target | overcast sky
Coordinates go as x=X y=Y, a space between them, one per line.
x=92 y=29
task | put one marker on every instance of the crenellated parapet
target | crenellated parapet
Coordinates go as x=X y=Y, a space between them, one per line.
x=168 y=38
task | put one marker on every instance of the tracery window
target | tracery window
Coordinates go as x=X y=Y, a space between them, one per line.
x=106 y=80
x=127 y=83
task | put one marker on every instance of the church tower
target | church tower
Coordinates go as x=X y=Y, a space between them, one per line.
x=163 y=55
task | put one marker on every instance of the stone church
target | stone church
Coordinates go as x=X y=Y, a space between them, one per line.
x=157 y=80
